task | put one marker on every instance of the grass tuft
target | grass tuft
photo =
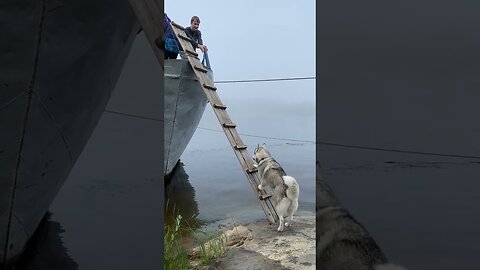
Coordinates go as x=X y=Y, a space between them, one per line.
x=211 y=247
x=175 y=255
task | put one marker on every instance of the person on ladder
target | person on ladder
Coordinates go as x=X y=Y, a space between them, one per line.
x=195 y=35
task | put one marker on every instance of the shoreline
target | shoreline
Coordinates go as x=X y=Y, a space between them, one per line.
x=258 y=245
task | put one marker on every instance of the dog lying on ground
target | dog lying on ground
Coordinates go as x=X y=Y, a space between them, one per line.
x=285 y=188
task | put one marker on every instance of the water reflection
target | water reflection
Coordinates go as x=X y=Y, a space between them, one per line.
x=45 y=250
x=180 y=198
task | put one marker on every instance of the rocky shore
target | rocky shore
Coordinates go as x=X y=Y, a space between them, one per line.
x=259 y=245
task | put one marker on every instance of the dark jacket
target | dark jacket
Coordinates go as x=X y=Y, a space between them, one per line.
x=195 y=36
x=171 y=43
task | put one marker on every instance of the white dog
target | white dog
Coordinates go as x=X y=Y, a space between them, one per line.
x=285 y=188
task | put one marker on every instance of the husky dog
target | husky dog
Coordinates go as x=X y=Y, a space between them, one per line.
x=285 y=188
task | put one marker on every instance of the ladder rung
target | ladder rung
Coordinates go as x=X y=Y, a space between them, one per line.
x=264 y=197
x=251 y=170
x=191 y=52
x=219 y=106
x=200 y=69
x=193 y=56
x=177 y=26
x=229 y=125
x=240 y=147
x=210 y=87
x=184 y=37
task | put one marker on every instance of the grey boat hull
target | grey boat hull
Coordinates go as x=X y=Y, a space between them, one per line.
x=185 y=103
x=59 y=62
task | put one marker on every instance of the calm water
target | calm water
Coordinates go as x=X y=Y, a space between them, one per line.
x=221 y=189
x=422 y=211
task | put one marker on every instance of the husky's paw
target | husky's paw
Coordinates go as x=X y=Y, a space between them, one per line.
x=280 y=229
x=287 y=224
x=260 y=187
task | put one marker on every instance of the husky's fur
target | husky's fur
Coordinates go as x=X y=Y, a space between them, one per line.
x=285 y=188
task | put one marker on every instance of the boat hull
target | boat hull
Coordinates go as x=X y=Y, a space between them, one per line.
x=185 y=103
x=60 y=61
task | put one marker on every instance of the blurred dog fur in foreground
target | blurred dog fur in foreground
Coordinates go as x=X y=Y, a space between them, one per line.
x=342 y=242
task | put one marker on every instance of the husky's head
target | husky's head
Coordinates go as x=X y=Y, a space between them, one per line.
x=260 y=153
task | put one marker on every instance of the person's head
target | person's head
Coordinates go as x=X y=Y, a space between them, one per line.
x=195 y=22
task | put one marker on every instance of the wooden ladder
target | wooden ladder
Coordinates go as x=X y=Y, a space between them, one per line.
x=150 y=17
x=228 y=126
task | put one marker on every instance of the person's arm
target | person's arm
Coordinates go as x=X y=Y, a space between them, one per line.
x=194 y=44
x=200 y=41
x=190 y=35
x=202 y=47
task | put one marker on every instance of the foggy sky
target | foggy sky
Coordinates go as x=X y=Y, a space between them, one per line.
x=256 y=40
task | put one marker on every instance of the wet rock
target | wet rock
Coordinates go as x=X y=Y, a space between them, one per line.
x=267 y=248
x=233 y=237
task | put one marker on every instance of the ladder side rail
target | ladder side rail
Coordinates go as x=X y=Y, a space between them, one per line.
x=148 y=13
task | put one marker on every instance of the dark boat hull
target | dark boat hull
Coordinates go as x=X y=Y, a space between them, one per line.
x=59 y=62
x=185 y=103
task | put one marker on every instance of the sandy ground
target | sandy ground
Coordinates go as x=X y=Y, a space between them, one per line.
x=265 y=248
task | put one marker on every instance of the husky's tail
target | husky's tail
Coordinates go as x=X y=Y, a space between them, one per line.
x=292 y=186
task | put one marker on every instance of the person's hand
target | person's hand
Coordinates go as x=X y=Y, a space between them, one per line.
x=203 y=48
